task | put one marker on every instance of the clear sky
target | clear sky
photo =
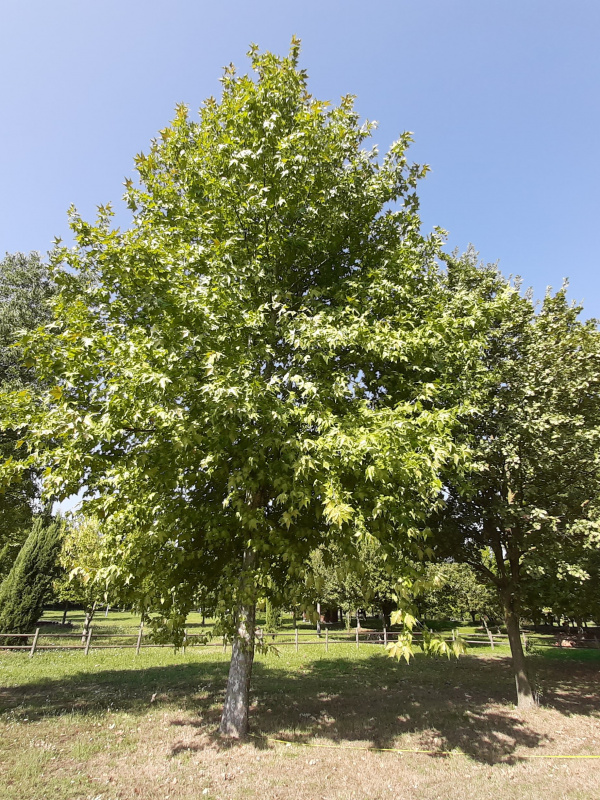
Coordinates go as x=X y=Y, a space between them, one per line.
x=502 y=97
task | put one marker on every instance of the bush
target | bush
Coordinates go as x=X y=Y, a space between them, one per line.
x=273 y=619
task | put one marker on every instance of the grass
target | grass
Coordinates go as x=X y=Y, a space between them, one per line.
x=114 y=726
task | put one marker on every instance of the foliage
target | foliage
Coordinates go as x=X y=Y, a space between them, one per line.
x=81 y=562
x=263 y=358
x=263 y=362
x=566 y=587
x=432 y=643
x=364 y=575
x=457 y=593
x=28 y=584
x=529 y=501
x=273 y=617
x=25 y=288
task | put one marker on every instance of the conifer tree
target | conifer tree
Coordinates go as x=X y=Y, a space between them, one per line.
x=29 y=583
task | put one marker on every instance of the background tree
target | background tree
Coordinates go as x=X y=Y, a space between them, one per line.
x=29 y=583
x=272 y=617
x=81 y=560
x=262 y=363
x=566 y=587
x=456 y=593
x=365 y=575
x=332 y=582
x=25 y=288
x=535 y=439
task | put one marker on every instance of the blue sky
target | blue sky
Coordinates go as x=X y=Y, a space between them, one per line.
x=502 y=97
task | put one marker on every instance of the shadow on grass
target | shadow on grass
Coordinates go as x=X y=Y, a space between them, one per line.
x=437 y=706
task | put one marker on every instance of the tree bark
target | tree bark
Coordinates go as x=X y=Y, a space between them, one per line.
x=89 y=615
x=525 y=693
x=234 y=719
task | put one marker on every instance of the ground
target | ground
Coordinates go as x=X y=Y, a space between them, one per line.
x=116 y=726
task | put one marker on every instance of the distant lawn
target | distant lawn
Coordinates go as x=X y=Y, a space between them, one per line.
x=114 y=725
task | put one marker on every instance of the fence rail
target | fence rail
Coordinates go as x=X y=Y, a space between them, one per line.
x=325 y=637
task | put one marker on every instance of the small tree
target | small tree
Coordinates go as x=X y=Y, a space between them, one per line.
x=81 y=560
x=29 y=583
x=273 y=617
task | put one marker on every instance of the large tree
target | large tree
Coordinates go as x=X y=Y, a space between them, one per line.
x=261 y=363
x=530 y=499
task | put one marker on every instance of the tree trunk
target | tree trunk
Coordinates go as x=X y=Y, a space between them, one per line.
x=89 y=616
x=234 y=719
x=387 y=607
x=64 y=616
x=525 y=694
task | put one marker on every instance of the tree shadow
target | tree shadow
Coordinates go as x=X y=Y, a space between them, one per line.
x=440 y=706
x=568 y=680
x=436 y=706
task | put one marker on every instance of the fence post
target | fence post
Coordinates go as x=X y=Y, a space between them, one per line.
x=296 y=629
x=488 y=631
x=384 y=635
x=139 y=639
x=524 y=640
x=357 y=630
x=184 y=639
x=88 y=640
x=326 y=640
x=34 y=645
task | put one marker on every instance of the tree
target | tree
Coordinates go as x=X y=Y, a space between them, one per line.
x=535 y=438
x=29 y=583
x=456 y=592
x=363 y=575
x=262 y=363
x=331 y=581
x=81 y=561
x=272 y=617
x=566 y=586
x=25 y=288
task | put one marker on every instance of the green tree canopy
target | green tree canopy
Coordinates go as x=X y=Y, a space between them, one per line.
x=25 y=289
x=456 y=592
x=81 y=581
x=262 y=362
x=530 y=499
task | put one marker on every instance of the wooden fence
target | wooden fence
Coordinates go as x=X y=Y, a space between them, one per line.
x=96 y=640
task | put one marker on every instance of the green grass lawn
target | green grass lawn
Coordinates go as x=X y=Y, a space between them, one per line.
x=117 y=726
